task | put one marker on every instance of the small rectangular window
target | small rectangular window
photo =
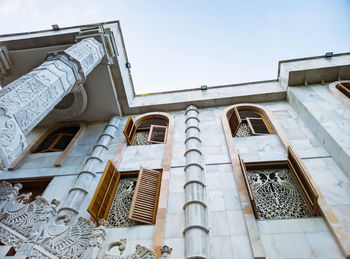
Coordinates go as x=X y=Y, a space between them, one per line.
x=157 y=134
x=257 y=126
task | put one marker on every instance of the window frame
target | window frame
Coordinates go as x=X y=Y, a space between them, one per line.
x=43 y=135
x=151 y=131
x=132 y=126
x=235 y=111
x=249 y=119
x=298 y=172
x=112 y=189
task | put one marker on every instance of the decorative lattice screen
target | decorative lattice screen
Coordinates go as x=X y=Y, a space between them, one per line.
x=276 y=194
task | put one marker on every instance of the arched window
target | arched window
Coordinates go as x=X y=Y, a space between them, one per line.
x=276 y=189
x=58 y=138
x=148 y=130
x=56 y=141
x=344 y=87
x=247 y=121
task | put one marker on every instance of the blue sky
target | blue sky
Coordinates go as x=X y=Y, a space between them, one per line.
x=187 y=43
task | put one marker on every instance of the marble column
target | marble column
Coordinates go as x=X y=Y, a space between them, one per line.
x=27 y=100
x=196 y=215
x=82 y=183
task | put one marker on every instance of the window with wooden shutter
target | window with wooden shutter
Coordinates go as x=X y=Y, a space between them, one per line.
x=130 y=130
x=234 y=121
x=145 y=200
x=104 y=195
x=249 y=188
x=157 y=134
x=57 y=141
x=303 y=181
x=257 y=126
x=344 y=88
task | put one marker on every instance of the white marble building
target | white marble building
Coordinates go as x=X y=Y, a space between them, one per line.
x=254 y=170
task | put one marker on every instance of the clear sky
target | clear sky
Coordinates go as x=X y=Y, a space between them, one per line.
x=187 y=43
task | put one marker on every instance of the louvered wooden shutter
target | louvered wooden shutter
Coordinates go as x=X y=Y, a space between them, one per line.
x=145 y=200
x=257 y=126
x=157 y=134
x=130 y=130
x=301 y=176
x=105 y=191
x=234 y=121
x=249 y=188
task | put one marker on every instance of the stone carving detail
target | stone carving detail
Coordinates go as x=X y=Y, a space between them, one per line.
x=9 y=238
x=21 y=223
x=276 y=194
x=118 y=214
x=8 y=192
x=12 y=140
x=140 y=252
x=66 y=240
x=27 y=100
x=88 y=52
x=35 y=230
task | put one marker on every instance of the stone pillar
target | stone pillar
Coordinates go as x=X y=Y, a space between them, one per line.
x=82 y=184
x=27 y=100
x=196 y=215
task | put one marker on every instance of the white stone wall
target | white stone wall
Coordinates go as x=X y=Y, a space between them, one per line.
x=228 y=233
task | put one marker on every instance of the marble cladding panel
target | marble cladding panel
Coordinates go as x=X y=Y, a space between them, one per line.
x=178 y=158
x=147 y=156
x=260 y=148
x=327 y=115
x=58 y=188
x=303 y=140
x=213 y=143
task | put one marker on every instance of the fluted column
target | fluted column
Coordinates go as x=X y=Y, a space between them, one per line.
x=82 y=184
x=196 y=215
x=27 y=100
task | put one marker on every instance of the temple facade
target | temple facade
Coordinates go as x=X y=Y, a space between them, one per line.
x=89 y=169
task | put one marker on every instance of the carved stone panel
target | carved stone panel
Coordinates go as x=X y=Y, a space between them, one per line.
x=88 y=52
x=12 y=140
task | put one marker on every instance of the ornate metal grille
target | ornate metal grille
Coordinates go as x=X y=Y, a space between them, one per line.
x=244 y=130
x=276 y=194
x=141 y=138
x=118 y=214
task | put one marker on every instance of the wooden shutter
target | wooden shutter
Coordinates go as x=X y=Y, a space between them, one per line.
x=145 y=200
x=157 y=134
x=257 y=126
x=130 y=130
x=105 y=191
x=234 y=121
x=249 y=188
x=302 y=178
